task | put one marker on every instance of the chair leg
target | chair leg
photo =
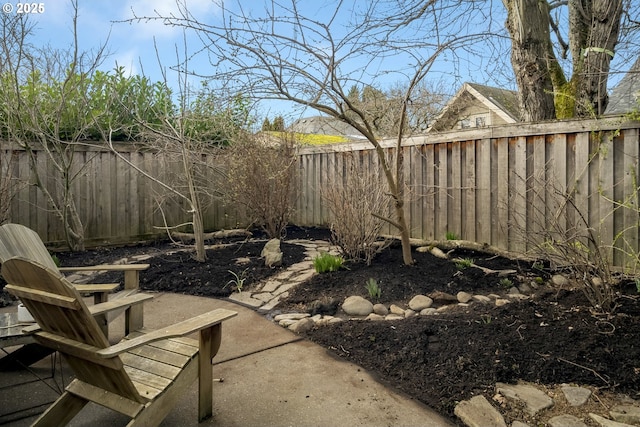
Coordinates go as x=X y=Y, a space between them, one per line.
x=61 y=411
x=210 y=340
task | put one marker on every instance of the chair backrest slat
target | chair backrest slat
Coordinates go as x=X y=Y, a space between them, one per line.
x=16 y=240
x=66 y=322
x=43 y=296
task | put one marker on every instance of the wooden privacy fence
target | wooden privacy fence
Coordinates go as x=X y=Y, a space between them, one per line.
x=507 y=186
x=504 y=186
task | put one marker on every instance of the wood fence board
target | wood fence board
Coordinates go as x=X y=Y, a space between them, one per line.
x=483 y=191
x=605 y=191
x=502 y=192
x=631 y=186
x=469 y=191
x=584 y=199
x=455 y=190
x=429 y=191
x=442 y=195
x=473 y=183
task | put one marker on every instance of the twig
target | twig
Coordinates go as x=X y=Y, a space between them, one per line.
x=585 y=368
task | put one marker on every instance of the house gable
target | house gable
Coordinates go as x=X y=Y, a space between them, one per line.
x=477 y=106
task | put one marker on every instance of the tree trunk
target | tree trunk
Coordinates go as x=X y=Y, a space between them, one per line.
x=531 y=54
x=594 y=30
x=198 y=234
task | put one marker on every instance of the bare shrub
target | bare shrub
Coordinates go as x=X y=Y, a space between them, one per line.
x=357 y=201
x=260 y=177
x=556 y=230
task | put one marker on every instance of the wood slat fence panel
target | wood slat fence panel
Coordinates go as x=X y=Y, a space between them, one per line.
x=493 y=185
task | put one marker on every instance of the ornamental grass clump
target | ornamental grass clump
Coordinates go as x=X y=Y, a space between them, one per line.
x=326 y=262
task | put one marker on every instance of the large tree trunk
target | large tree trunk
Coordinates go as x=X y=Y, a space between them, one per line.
x=594 y=28
x=531 y=53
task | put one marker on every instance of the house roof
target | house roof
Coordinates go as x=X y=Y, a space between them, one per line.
x=626 y=95
x=323 y=125
x=503 y=102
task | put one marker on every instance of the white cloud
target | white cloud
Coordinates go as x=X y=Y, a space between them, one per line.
x=163 y=8
x=128 y=60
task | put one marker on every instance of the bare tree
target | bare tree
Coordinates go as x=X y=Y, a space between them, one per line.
x=593 y=29
x=44 y=110
x=282 y=53
x=425 y=103
x=186 y=139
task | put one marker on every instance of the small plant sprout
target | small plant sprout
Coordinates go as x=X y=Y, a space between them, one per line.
x=326 y=262
x=238 y=280
x=450 y=235
x=374 y=289
x=638 y=285
x=462 y=263
x=505 y=282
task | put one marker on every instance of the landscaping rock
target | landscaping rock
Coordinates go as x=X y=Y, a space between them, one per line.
x=626 y=414
x=290 y=316
x=464 y=297
x=534 y=399
x=443 y=297
x=420 y=302
x=525 y=288
x=478 y=412
x=559 y=280
x=566 y=420
x=302 y=325
x=395 y=309
x=605 y=422
x=501 y=301
x=482 y=299
x=272 y=253
x=357 y=306
x=576 y=396
x=380 y=309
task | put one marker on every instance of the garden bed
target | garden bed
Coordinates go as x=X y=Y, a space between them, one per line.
x=552 y=336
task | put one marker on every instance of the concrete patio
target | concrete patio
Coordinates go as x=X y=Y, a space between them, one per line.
x=271 y=377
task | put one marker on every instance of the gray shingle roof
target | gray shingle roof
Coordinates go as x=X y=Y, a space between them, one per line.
x=506 y=100
x=625 y=97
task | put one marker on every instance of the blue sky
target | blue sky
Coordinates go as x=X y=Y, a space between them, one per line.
x=132 y=44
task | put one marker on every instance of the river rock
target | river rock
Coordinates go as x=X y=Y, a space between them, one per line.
x=395 y=309
x=420 y=302
x=380 y=309
x=357 y=306
x=302 y=325
x=464 y=297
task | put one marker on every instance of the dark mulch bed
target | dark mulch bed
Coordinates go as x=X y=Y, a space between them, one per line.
x=551 y=338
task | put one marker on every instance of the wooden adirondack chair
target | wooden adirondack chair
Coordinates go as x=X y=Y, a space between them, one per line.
x=142 y=376
x=16 y=240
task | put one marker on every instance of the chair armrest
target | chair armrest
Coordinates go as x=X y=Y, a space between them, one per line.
x=119 y=303
x=181 y=329
x=92 y=288
x=108 y=267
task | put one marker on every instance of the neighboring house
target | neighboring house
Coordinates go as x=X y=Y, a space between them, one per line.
x=625 y=97
x=477 y=106
x=323 y=125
